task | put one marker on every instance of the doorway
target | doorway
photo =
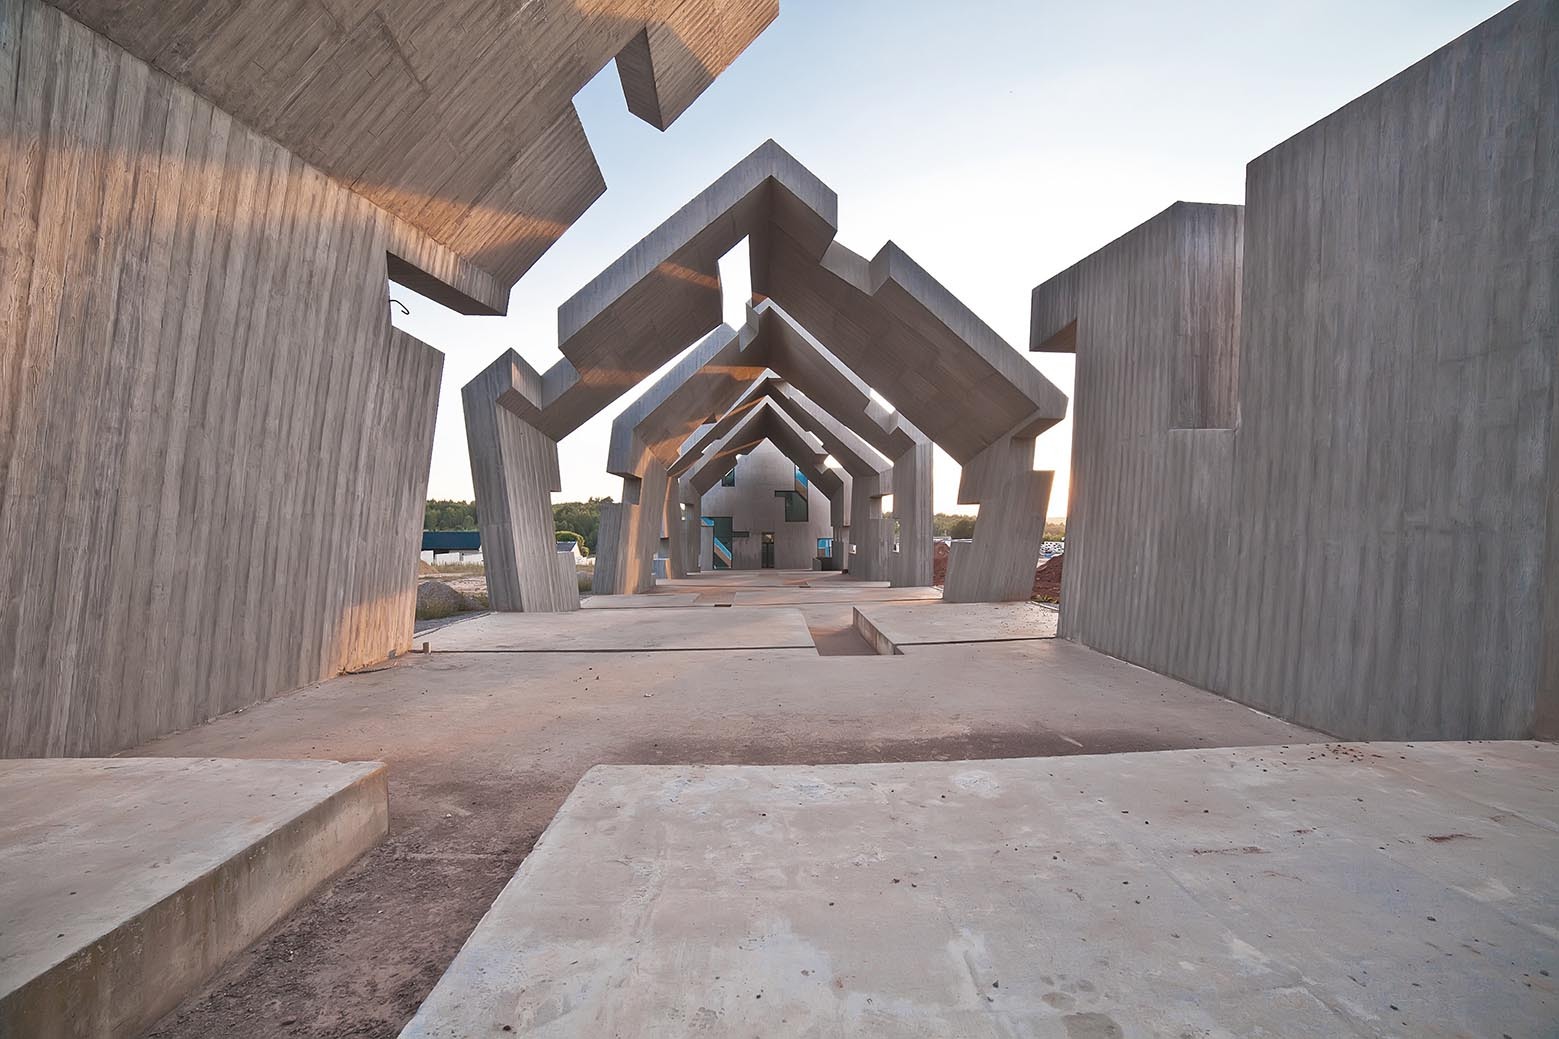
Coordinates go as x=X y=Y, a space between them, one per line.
x=768 y=550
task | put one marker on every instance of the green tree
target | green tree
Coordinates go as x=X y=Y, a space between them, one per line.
x=445 y=514
x=582 y=517
x=952 y=525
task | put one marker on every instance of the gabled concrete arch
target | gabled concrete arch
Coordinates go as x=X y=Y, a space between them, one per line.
x=888 y=324
x=718 y=380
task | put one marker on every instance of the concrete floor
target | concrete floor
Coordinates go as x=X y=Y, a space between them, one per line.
x=1301 y=891
x=125 y=882
x=483 y=747
x=609 y=631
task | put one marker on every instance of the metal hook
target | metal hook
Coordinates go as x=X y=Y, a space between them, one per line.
x=404 y=309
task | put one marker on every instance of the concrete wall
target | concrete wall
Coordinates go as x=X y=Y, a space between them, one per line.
x=753 y=507
x=1370 y=549
x=1148 y=524
x=211 y=439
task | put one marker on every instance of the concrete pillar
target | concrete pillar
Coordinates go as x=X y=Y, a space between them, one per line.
x=839 y=507
x=998 y=565
x=682 y=550
x=514 y=470
x=910 y=566
x=692 y=523
x=630 y=534
x=869 y=560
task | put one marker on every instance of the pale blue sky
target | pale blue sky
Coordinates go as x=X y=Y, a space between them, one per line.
x=997 y=142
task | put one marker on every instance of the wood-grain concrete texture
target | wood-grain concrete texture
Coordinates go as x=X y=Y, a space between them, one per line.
x=886 y=319
x=1363 y=539
x=213 y=445
x=1148 y=523
x=514 y=469
x=456 y=116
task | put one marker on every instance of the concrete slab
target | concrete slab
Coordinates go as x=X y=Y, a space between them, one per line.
x=1322 y=890
x=626 y=631
x=640 y=602
x=898 y=627
x=485 y=747
x=124 y=882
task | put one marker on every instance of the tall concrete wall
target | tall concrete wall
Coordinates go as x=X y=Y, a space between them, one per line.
x=1400 y=344
x=1363 y=538
x=213 y=446
x=1148 y=523
x=753 y=507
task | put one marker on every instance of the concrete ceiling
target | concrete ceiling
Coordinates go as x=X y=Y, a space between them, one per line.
x=454 y=115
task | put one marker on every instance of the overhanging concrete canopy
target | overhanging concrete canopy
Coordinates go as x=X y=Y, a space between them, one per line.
x=454 y=115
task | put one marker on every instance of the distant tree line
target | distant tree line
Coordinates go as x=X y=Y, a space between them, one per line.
x=952 y=525
x=573 y=517
x=449 y=515
x=959 y=527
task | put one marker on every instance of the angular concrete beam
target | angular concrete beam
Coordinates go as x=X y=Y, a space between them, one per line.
x=514 y=470
x=674 y=59
x=703 y=385
x=664 y=293
x=855 y=455
x=760 y=423
x=889 y=326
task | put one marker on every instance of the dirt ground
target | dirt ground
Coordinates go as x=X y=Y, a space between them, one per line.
x=484 y=747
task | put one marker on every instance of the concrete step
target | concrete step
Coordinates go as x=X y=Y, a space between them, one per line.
x=126 y=882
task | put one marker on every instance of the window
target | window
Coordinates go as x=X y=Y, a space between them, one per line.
x=795 y=506
x=795 y=500
x=729 y=479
